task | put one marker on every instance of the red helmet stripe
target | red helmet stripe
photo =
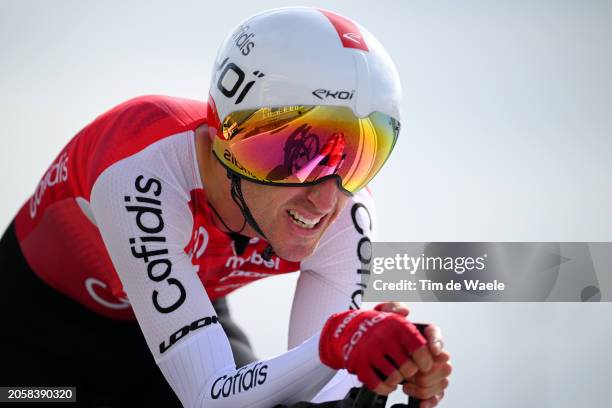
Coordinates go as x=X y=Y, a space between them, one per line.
x=347 y=31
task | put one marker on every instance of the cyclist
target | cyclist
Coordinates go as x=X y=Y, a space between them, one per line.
x=162 y=206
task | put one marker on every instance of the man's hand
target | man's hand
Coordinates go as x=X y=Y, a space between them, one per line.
x=426 y=375
x=429 y=387
x=374 y=345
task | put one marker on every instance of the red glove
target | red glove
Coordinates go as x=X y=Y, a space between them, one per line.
x=367 y=341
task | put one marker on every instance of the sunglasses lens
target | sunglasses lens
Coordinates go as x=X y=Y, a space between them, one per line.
x=296 y=145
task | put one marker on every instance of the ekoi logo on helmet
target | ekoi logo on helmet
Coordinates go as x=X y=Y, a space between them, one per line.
x=347 y=30
x=326 y=93
x=352 y=37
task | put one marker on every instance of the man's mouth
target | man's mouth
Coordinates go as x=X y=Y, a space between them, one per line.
x=302 y=221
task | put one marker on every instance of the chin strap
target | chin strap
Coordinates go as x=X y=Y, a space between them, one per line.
x=236 y=192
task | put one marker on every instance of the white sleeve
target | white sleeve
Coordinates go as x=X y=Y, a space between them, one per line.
x=140 y=206
x=330 y=280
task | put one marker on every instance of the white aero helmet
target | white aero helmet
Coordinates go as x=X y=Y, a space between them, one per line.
x=299 y=95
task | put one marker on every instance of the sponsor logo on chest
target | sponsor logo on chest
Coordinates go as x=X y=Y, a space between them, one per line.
x=255 y=258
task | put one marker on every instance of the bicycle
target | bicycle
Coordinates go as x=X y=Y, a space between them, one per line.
x=356 y=398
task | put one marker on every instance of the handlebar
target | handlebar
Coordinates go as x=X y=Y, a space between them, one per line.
x=364 y=398
x=368 y=399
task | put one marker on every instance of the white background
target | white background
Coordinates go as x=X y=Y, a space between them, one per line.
x=506 y=137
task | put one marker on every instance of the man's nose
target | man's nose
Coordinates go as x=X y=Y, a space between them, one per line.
x=324 y=195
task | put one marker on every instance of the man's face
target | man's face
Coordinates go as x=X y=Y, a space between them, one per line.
x=294 y=218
